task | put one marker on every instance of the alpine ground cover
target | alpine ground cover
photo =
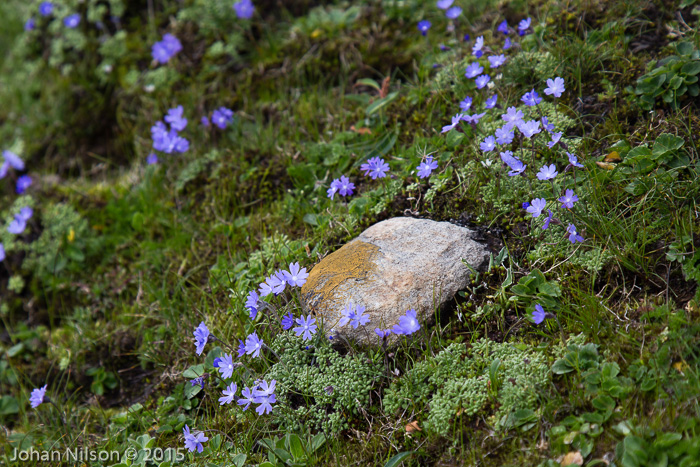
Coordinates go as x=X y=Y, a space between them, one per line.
x=171 y=171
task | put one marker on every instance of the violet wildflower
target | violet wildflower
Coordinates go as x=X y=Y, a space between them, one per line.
x=37 y=396
x=408 y=324
x=13 y=160
x=253 y=345
x=504 y=136
x=198 y=381
x=205 y=121
x=165 y=49
x=466 y=38
x=23 y=183
x=497 y=60
x=473 y=70
x=423 y=26
x=346 y=186
x=573 y=235
x=382 y=333
x=491 y=102
x=265 y=406
x=72 y=21
x=489 y=144
x=30 y=24
x=348 y=314
x=530 y=128
x=478 y=45
x=453 y=12
x=159 y=135
x=359 y=318
x=546 y=125
x=228 y=394
x=2 y=252
x=247 y=399
x=265 y=289
x=151 y=159
x=333 y=189
x=555 y=87
x=507 y=44
x=444 y=4
x=531 y=98
x=287 y=321
x=264 y=389
x=547 y=172
x=244 y=9
x=466 y=103
x=296 y=277
x=444 y=48
x=555 y=139
x=25 y=213
x=175 y=118
x=536 y=207
x=524 y=25
x=545 y=226
x=306 y=327
x=226 y=366
x=46 y=8
x=473 y=119
x=426 y=168
x=573 y=160
x=252 y=304
x=568 y=199
x=221 y=117
x=482 y=81
x=526 y=204
x=241 y=348
x=194 y=442
x=512 y=117
x=455 y=121
x=538 y=314
x=375 y=167
x=515 y=164
x=17 y=226
x=503 y=27
x=201 y=337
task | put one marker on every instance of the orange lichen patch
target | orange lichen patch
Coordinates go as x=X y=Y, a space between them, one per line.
x=350 y=263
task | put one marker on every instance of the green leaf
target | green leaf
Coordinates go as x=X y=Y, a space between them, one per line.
x=310 y=218
x=685 y=48
x=604 y=404
x=295 y=447
x=8 y=405
x=194 y=371
x=397 y=459
x=694 y=90
x=137 y=221
x=561 y=367
x=368 y=82
x=379 y=104
x=665 y=143
x=239 y=460
x=317 y=442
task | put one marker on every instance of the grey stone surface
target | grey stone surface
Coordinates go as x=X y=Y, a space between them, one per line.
x=392 y=266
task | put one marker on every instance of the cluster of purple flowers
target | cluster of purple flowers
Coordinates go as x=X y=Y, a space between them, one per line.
x=19 y=223
x=375 y=167
x=169 y=141
x=277 y=281
x=163 y=50
x=354 y=315
x=343 y=186
x=221 y=117
x=46 y=9
x=10 y=159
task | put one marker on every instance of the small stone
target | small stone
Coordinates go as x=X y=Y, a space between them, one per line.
x=393 y=266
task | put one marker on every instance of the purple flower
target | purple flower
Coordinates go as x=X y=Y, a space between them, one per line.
x=244 y=9
x=547 y=172
x=503 y=27
x=359 y=319
x=333 y=189
x=568 y=199
x=201 y=337
x=573 y=235
x=174 y=117
x=529 y=129
x=423 y=26
x=159 y=135
x=516 y=165
x=546 y=125
x=536 y=207
x=205 y=121
x=194 y=442
x=482 y=81
x=247 y=398
x=273 y=284
x=287 y=321
x=199 y=381
x=489 y=144
x=491 y=102
x=545 y=226
x=466 y=38
x=524 y=25
x=72 y=21
x=555 y=87
x=538 y=314
x=221 y=117
x=348 y=314
x=17 y=226
x=408 y=324
x=426 y=168
x=23 y=183
x=228 y=394
x=525 y=204
x=473 y=119
x=30 y=24
x=444 y=4
x=241 y=348
x=375 y=167
x=472 y=71
x=46 y=8
x=504 y=136
x=296 y=277
x=165 y=49
x=512 y=117
x=306 y=327
x=252 y=304
x=346 y=186
x=507 y=44
x=151 y=159
x=13 y=160
x=497 y=60
x=555 y=139
x=253 y=345
x=466 y=104
x=264 y=389
x=573 y=160
x=2 y=252
x=531 y=98
x=37 y=397
x=265 y=404
x=382 y=333
x=453 y=12
x=455 y=121
x=478 y=45
x=25 y=213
